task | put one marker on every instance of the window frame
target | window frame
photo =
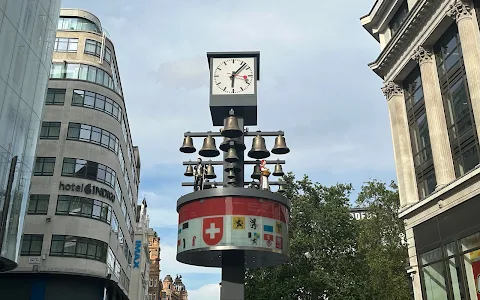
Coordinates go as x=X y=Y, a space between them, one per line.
x=68 y=41
x=425 y=168
x=449 y=77
x=88 y=165
x=49 y=125
x=397 y=20
x=38 y=198
x=79 y=240
x=29 y=238
x=84 y=201
x=55 y=93
x=43 y=161
x=82 y=94
x=106 y=138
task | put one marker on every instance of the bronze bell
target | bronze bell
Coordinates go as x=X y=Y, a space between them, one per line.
x=209 y=149
x=232 y=166
x=210 y=172
x=256 y=172
x=278 y=171
x=237 y=144
x=280 y=146
x=231 y=174
x=258 y=151
x=231 y=128
x=232 y=155
x=281 y=189
x=189 y=171
x=187 y=146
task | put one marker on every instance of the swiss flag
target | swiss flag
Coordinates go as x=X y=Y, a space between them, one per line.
x=212 y=230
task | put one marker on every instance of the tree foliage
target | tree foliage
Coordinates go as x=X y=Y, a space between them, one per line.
x=332 y=255
x=324 y=263
x=382 y=241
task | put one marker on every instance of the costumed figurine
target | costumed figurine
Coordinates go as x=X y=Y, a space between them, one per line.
x=265 y=173
x=199 y=171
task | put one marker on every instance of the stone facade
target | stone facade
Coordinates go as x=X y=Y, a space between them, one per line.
x=430 y=65
x=173 y=289
x=155 y=284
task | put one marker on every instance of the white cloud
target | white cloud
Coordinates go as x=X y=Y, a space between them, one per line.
x=186 y=73
x=206 y=292
x=170 y=265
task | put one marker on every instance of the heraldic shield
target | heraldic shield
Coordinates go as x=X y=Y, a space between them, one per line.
x=212 y=230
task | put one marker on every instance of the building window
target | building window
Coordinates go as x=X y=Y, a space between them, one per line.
x=76 y=23
x=84 y=72
x=44 y=166
x=55 y=97
x=88 y=169
x=456 y=101
x=74 y=246
x=419 y=134
x=38 y=204
x=84 y=207
x=93 y=47
x=32 y=245
x=108 y=55
x=98 y=102
x=399 y=17
x=154 y=296
x=50 y=131
x=92 y=134
x=452 y=269
x=65 y=45
x=151 y=282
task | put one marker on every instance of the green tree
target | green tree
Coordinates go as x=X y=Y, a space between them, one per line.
x=324 y=262
x=381 y=241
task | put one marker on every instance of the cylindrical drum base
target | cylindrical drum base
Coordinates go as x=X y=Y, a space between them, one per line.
x=216 y=220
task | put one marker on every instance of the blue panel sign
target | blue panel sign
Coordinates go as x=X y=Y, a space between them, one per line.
x=136 y=259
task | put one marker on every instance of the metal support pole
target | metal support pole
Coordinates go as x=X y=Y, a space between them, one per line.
x=220 y=162
x=233 y=275
x=249 y=133
x=244 y=184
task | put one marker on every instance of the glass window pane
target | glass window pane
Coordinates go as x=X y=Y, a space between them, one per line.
x=77 y=97
x=434 y=279
x=89 y=99
x=471 y=263
x=69 y=246
x=92 y=74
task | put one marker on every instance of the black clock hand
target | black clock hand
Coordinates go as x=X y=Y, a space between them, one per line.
x=240 y=69
x=233 y=80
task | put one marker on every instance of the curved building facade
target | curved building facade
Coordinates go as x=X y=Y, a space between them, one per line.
x=79 y=228
x=27 y=34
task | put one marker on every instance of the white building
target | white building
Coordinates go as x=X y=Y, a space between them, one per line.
x=139 y=276
x=78 y=238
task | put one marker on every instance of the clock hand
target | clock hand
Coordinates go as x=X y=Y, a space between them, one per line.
x=241 y=68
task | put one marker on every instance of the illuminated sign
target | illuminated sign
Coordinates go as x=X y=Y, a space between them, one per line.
x=138 y=249
x=88 y=189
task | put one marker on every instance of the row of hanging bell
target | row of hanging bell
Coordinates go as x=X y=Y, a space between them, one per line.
x=210 y=172
x=258 y=150
x=278 y=171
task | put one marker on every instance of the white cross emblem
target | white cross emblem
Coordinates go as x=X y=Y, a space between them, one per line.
x=212 y=230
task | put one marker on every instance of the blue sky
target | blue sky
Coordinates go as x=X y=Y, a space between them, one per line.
x=315 y=85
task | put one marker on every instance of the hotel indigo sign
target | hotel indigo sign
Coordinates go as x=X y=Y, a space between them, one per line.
x=88 y=189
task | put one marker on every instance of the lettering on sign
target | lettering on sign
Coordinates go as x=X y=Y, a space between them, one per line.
x=136 y=259
x=34 y=260
x=88 y=189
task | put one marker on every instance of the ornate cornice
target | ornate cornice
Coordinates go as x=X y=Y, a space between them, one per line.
x=422 y=55
x=460 y=9
x=390 y=89
x=419 y=16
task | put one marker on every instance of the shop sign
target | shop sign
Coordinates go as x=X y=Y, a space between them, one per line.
x=88 y=189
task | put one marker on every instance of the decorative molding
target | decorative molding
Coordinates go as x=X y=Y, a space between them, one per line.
x=459 y=10
x=390 y=89
x=414 y=28
x=422 y=55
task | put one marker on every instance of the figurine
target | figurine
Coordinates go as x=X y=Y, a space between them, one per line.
x=265 y=173
x=199 y=171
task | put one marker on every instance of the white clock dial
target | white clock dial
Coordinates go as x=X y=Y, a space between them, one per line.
x=233 y=76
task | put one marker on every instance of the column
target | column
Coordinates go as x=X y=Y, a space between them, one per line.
x=437 y=125
x=413 y=261
x=469 y=34
x=402 y=149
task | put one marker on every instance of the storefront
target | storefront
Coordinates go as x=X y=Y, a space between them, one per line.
x=448 y=248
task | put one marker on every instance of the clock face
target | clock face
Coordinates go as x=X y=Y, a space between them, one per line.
x=233 y=76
